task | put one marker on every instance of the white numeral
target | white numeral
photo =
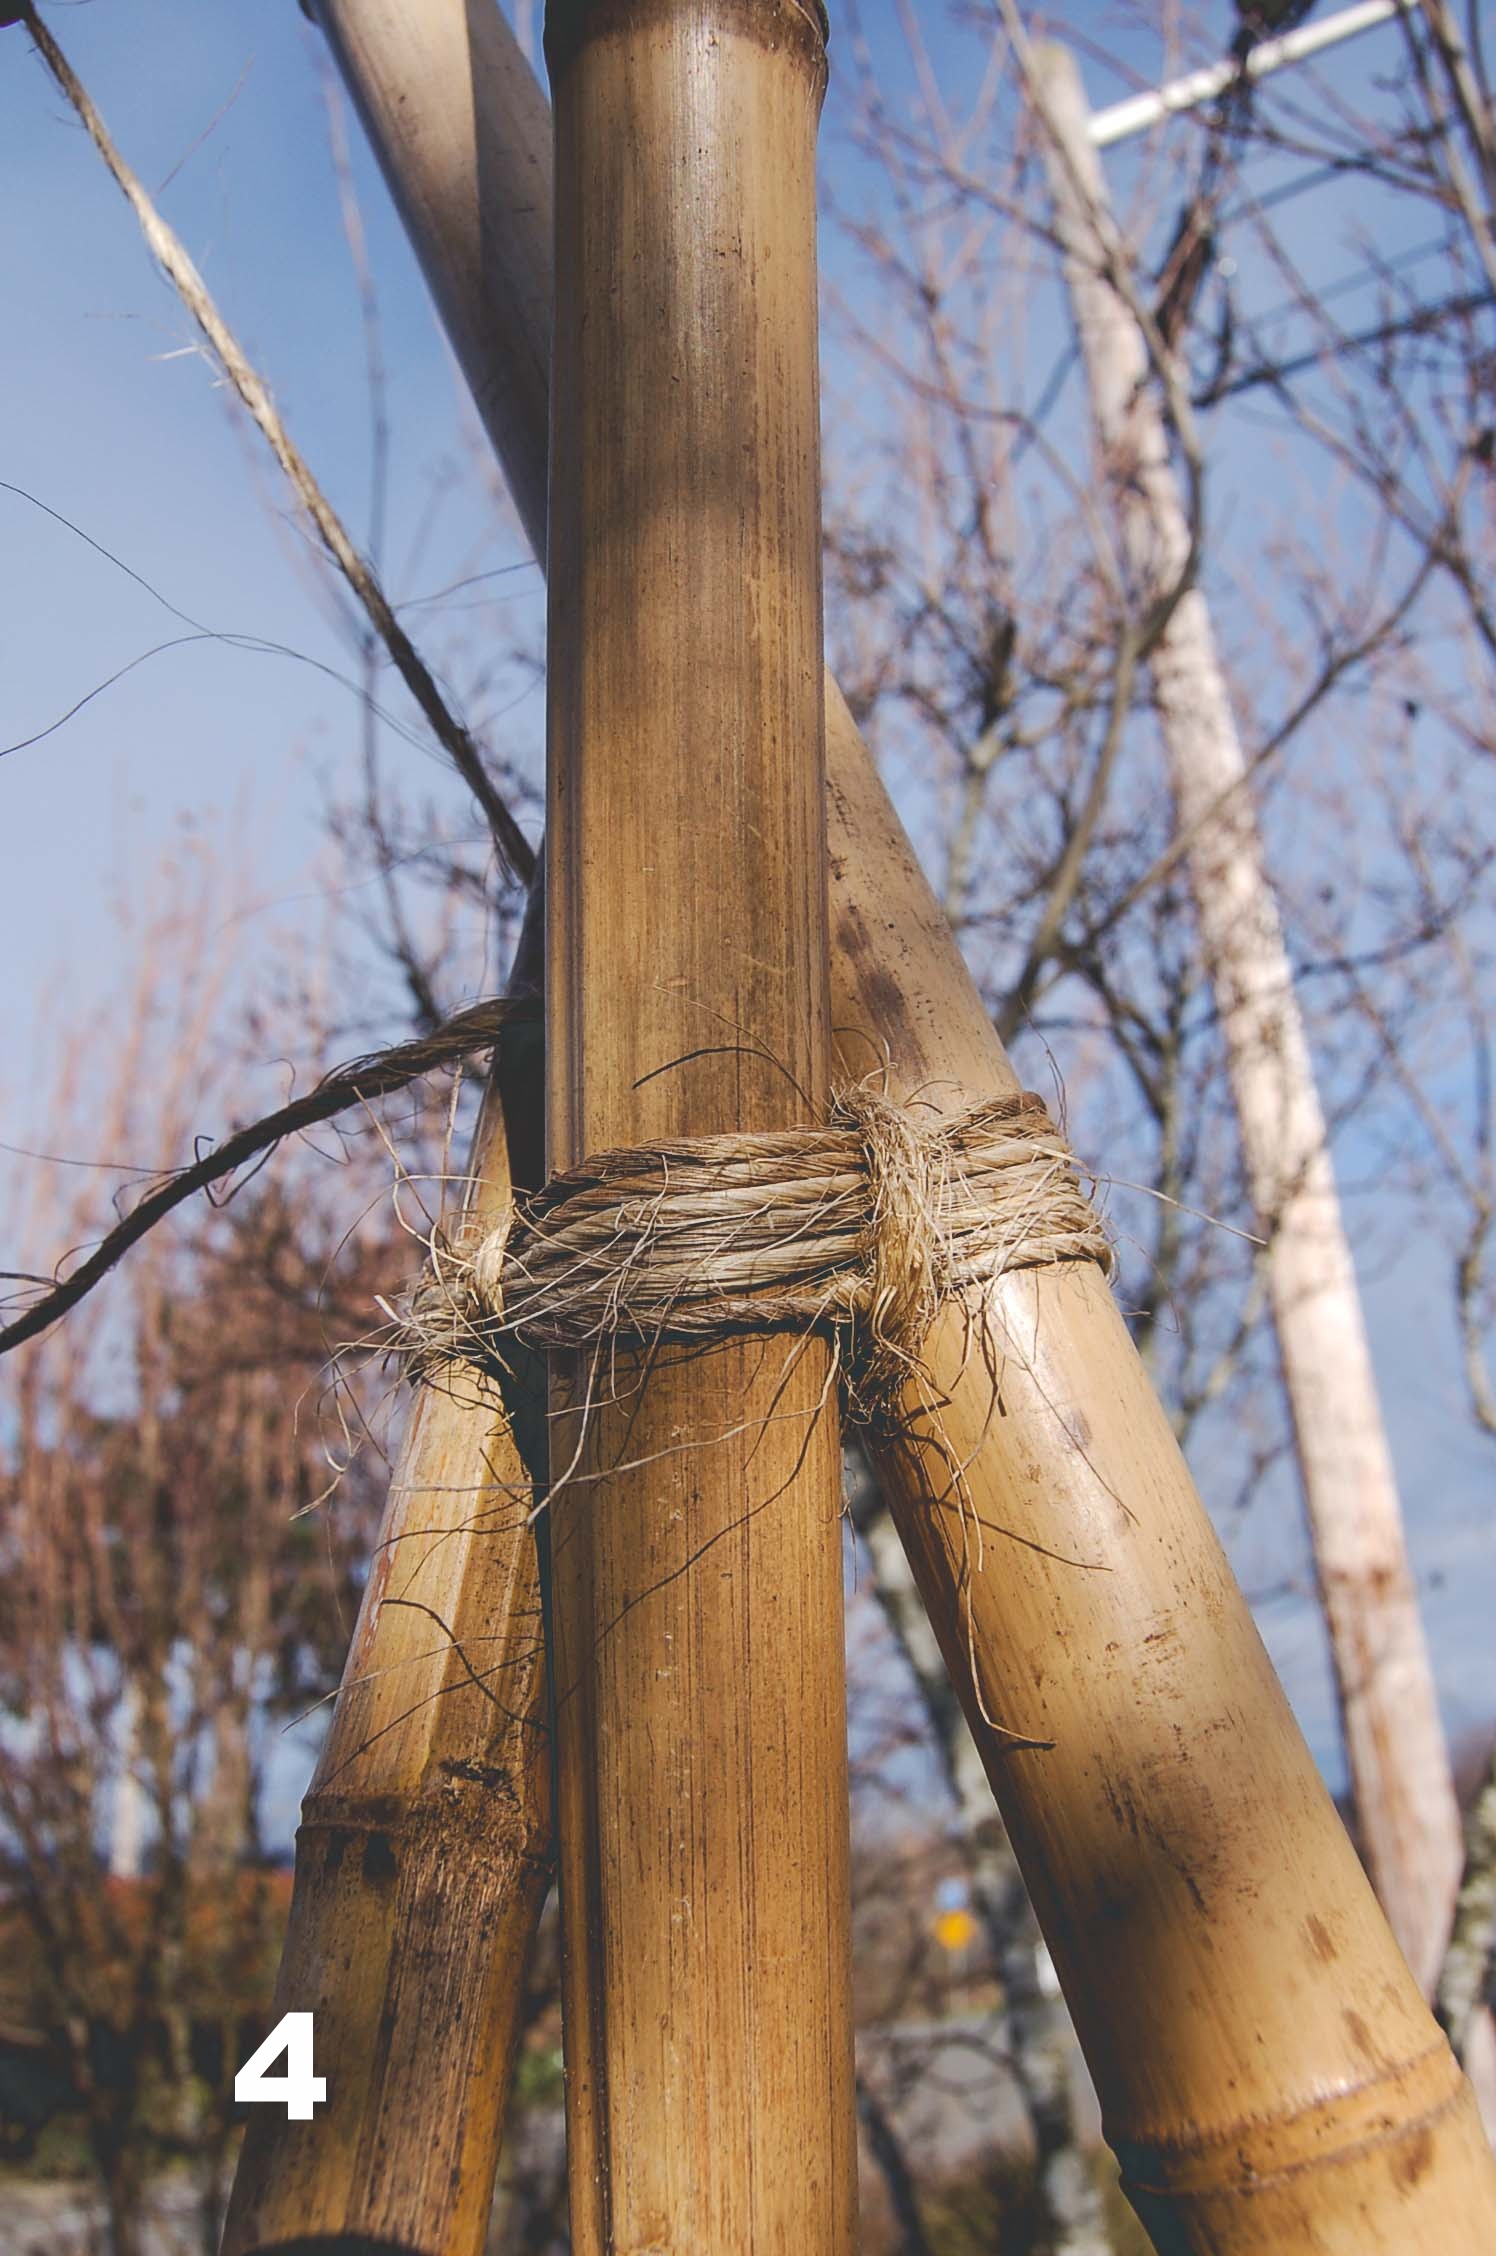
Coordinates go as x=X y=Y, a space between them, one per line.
x=299 y=2089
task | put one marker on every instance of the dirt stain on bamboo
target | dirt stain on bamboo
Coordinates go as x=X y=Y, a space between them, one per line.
x=380 y=1866
x=1360 y=2036
x=887 y=1005
x=1413 y=2158
x=470 y=1771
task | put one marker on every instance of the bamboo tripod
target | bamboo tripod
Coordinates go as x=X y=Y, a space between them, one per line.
x=1267 y=2070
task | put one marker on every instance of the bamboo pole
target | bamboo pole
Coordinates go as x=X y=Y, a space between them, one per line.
x=1267 y=2070
x=424 y=1852
x=1394 y=1738
x=462 y=131
x=701 y=1756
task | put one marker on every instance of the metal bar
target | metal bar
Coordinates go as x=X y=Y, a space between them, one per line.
x=1139 y=111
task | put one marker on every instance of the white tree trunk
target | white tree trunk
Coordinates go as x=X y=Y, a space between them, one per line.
x=130 y=1810
x=1394 y=1739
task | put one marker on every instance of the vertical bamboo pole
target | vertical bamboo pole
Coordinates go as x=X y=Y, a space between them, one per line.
x=699 y=1695
x=1266 y=2069
x=424 y=1852
x=1394 y=1738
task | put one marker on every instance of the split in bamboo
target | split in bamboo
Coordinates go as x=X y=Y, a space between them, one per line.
x=699 y=1701
x=1217 y=1941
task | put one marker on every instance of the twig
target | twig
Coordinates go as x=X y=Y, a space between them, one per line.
x=887 y=2150
x=379 y=1075
x=171 y=255
x=1445 y=38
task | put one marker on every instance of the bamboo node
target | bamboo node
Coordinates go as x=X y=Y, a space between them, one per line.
x=864 y=1227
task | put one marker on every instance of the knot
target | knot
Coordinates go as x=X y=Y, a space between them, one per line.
x=866 y=1226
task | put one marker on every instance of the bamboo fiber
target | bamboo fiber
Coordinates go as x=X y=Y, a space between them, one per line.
x=701 y=1755
x=1266 y=2067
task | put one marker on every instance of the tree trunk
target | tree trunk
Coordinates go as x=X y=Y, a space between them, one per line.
x=699 y=1695
x=1399 y=1766
x=130 y=1803
x=117 y=2160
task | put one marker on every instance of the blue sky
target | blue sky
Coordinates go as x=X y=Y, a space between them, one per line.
x=111 y=417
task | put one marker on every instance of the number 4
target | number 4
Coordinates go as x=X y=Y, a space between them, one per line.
x=299 y=2088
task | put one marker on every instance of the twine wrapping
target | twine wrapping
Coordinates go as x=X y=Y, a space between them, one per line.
x=866 y=1225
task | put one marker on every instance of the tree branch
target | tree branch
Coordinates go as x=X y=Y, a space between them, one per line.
x=379 y=1075
x=172 y=257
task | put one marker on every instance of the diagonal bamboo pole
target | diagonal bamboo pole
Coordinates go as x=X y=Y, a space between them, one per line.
x=699 y=1701
x=1266 y=2069
x=424 y=1852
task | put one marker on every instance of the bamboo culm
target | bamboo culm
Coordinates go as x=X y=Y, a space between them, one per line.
x=701 y=1750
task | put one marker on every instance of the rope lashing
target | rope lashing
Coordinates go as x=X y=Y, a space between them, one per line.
x=866 y=1225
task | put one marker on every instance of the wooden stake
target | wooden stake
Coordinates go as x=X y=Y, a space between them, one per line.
x=695 y=1506
x=1266 y=2067
x=424 y=1853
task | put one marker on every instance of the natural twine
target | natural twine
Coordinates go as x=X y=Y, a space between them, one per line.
x=866 y=1226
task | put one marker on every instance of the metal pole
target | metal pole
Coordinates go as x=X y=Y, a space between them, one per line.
x=1122 y=119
